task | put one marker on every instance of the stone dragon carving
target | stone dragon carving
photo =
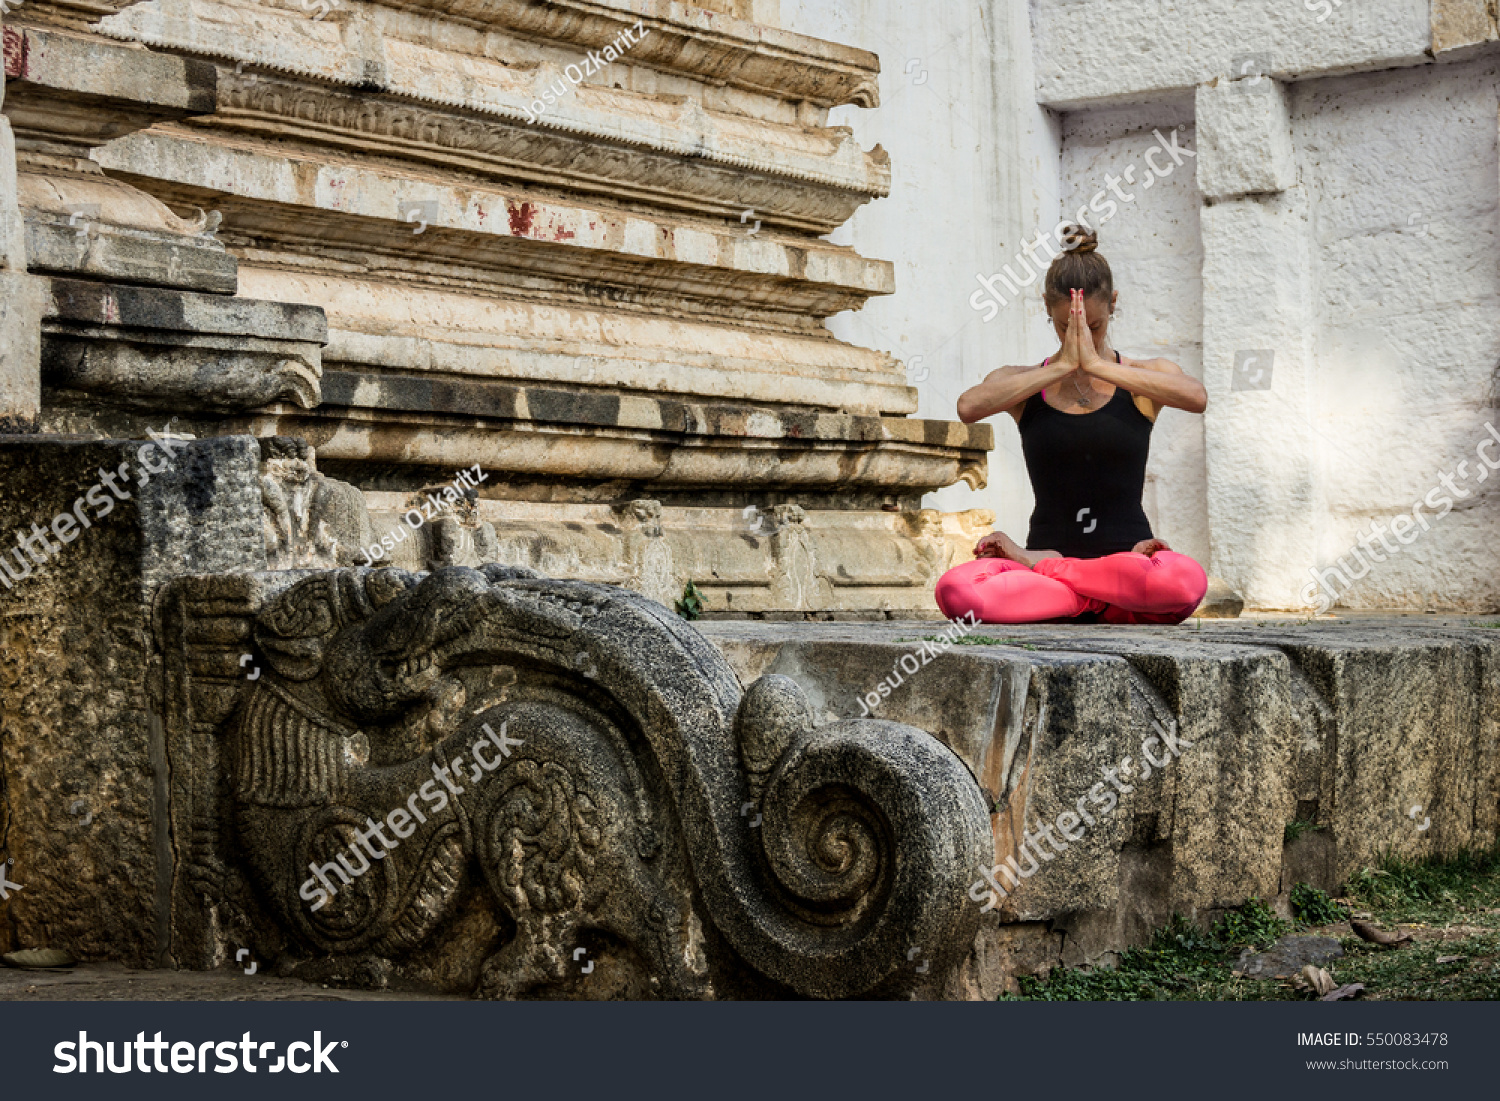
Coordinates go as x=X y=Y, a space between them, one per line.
x=607 y=784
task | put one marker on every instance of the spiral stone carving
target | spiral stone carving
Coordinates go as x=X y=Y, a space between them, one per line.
x=359 y=914
x=582 y=764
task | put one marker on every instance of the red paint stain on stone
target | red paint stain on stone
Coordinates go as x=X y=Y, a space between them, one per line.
x=521 y=216
x=15 y=52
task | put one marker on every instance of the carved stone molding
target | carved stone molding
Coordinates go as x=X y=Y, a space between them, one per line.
x=79 y=222
x=601 y=764
x=66 y=93
x=808 y=180
x=65 y=96
x=153 y=348
x=692 y=41
x=835 y=453
x=715 y=50
x=73 y=15
x=301 y=204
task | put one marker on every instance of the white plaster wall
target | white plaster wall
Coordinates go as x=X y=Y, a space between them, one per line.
x=974 y=166
x=1403 y=171
x=1258 y=301
x=978 y=169
x=1155 y=250
x=1397 y=178
x=1098 y=50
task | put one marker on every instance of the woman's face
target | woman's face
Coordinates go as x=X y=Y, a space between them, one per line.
x=1098 y=310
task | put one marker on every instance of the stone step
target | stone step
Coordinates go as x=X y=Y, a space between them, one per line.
x=1382 y=734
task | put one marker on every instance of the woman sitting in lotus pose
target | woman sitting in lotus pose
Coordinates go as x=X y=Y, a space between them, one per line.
x=1085 y=417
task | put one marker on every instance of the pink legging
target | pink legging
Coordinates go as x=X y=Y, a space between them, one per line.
x=1165 y=587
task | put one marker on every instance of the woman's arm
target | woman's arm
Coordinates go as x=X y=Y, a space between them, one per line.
x=1007 y=387
x=1004 y=390
x=1160 y=381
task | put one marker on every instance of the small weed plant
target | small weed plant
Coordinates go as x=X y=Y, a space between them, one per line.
x=1311 y=907
x=690 y=607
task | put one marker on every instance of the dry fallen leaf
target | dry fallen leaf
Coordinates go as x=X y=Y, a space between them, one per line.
x=1321 y=981
x=1368 y=932
x=1451 y=959
x=1343 y=993
x=39 y=957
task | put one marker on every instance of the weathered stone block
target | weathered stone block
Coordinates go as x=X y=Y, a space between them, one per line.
x=1205 y=744
x=21 y=303
x=1093 y=51
x=1458 y=23
x=1263 y=482
x=100 y=250
x=1288 y=956
x=1220 y=601
x=1244 y=137
x=12 y=243
x=82 y=749
x=69 y=94
x=169 y=349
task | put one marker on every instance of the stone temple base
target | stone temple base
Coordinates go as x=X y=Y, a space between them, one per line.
x=191 y=734
x=1380 y=735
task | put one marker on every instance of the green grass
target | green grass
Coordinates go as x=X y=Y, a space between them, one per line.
x=1452 y=908
x=1414 y=974
x=1253 y=925
x=1431 y=892
x=1297 y=828
x=1182 y=963
x=972 y=640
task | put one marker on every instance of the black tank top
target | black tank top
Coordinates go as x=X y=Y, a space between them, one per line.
x=1088 y=472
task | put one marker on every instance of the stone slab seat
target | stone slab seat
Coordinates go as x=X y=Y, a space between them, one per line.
x=1344 y=724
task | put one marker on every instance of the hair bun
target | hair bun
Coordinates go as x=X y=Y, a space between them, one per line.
x=1080 y=239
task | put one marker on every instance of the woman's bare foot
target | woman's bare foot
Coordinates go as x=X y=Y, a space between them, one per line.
x=999 y=545
x=1148 y=547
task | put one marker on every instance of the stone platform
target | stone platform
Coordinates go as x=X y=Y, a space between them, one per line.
x=1377 y=734
x=1129 y=772
x=726 y=809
